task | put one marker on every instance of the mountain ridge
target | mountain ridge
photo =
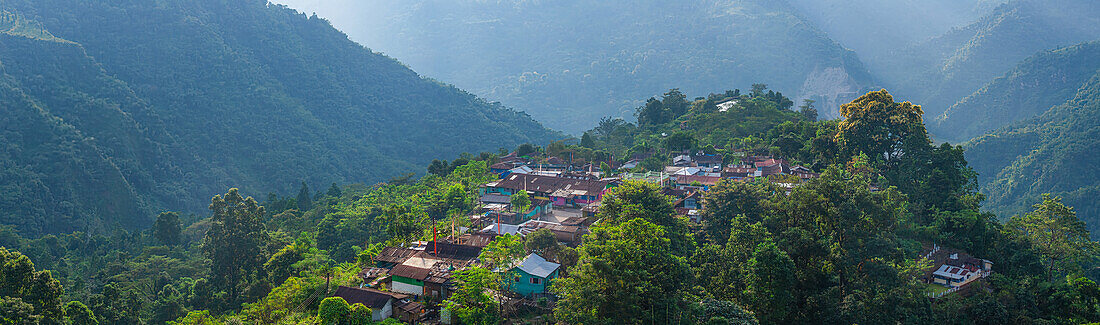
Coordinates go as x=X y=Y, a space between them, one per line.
x=207 y=95
x=573 y=62
x=1051 y=153
x=1038 y=83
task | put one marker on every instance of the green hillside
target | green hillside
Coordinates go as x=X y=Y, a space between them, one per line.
x=572 y=62
x=1052 y=153
x=1039 y=83
x=945 y=69
x=875 y=28
x=183 y=99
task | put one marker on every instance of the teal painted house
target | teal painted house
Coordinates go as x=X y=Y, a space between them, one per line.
x=533 y=276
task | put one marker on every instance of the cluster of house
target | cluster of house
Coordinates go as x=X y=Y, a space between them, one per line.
x=422 y=271
x=954 y=269
x=564 y=200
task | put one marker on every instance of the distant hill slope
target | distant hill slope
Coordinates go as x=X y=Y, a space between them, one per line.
x=1039 y=83
x=943 y=70
x=571 y=62
x=182 y=99
x=1052 y=153
x=875 y=28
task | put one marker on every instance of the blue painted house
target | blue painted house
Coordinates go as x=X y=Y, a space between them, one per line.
x=533 y=276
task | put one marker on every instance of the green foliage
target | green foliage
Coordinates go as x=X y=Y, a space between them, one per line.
x=717 y=312
x=80 y=314
x=168 y=305
x=1051 y=153
x=25 y=287
x=235 y=244
x=166 y=229
x=503 y=252
x=680 y=141
x=628 y=274
x=830 y=251
x=15 y=311
x=544 y=243
x=883 y=129
x=197 y=318
x=333 y=311
x=359 y=315
x=771 y=280
x=117 y=124
x=729 y=200
x=521 y=202
x=1025 y=91
x=305 y=198
x=940 y=71
x=1056 y=233
x=636 y=199
x=471 y=303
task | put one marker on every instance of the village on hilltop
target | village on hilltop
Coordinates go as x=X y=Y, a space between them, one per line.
x=407 y=282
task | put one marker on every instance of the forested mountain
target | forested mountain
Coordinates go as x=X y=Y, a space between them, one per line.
x=940 y=71
x=116 y=109
x=876 y=29
x=1052 y=153
x=1039 y=83
x=571 y=62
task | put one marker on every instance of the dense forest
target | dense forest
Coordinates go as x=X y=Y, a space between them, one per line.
x=569 y=63
x=944 y=69
x=115 y=110
x=844 y=247
x=1040 y=82
x=1051 y=153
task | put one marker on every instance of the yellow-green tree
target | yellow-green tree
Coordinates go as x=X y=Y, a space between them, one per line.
x=884 y=129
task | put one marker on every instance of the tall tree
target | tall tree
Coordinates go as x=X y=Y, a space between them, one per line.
x=636 y=199
x=652 y=113
x=305 y=199
x=771 y=281
x=627 y=274
x=675 y=104
x=758 y=90
x=235 y=242
x=608 y=126
x=880 y=127
x=439 y=167
x=1054 y=230
x=472 y=302
x=728 y=200
x=334 y=191
x=809 y=112
x=587 y=141
x=166 y=229
x=22 y=285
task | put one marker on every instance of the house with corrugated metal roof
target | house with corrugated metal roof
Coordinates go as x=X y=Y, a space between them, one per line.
x=532 y=276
